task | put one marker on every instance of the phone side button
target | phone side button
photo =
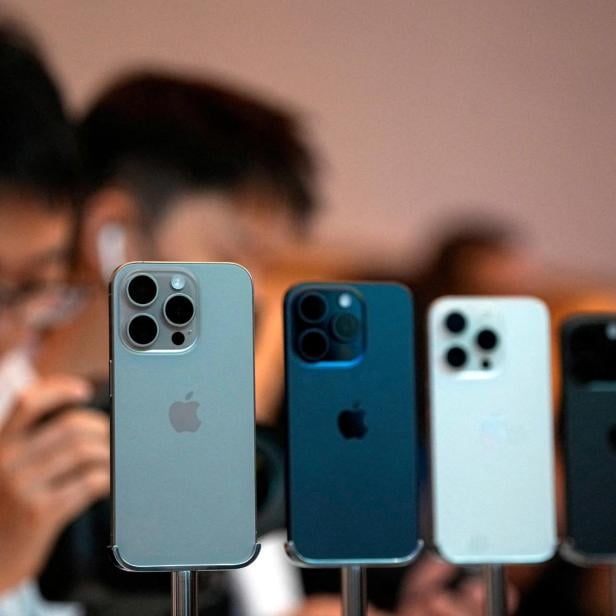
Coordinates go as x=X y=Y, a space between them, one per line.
x=110 y=379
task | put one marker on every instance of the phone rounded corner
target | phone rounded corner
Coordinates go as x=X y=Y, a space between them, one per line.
x=122 y=563
x=300 y=560
x=435 y=307
x=295 y=555
x=252 y=556
x=570 y=321
x=571 y=554
x=403 y=289
x=244 y=271
x=407 y=559
x=443 y=554
x=539 y=304
x=121 y=269
x=288 y=295
x=293 y=291
x=548 y=553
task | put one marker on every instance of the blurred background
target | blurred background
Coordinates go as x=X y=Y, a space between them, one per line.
x=460 y=147
x=419 y=110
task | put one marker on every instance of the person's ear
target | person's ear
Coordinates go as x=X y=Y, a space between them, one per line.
x=107 y=238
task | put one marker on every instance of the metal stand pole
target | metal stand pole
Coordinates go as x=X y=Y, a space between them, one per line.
x=184 y=593
x=353 y=591
x=496 y=591
x=613 y=590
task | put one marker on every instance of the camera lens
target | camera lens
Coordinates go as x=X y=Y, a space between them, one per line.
x=455 y=322
x=456 y=357
x=312 y=307
x=179 y=309
x=178 y=338
x=142 y=290
x=345 y=326
x=142 y=329
x=313 y=344
x=487 y=339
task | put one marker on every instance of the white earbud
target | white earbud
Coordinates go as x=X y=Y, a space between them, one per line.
x=111 y=248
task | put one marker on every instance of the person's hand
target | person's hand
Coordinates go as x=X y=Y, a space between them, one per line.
x=52 y=467
x=326 y=605
x=427 y=592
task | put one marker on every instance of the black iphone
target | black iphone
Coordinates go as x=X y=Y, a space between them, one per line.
x=589 y=414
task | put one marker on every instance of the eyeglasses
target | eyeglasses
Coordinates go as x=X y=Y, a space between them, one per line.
x=39 y=303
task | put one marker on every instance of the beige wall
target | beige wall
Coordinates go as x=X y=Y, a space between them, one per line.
x=421 y=108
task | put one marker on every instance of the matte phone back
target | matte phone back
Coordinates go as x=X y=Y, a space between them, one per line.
x=186 y=499
x=589 y=415
x=354 y=500
x=492 y=435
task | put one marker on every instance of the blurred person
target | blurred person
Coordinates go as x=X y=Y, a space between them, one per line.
x=177 y=169
x=52 y=465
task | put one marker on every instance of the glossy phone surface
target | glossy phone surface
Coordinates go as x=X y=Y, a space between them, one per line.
x=491 y=430
x=352 y=450
x=183 y=426
x=589 y=416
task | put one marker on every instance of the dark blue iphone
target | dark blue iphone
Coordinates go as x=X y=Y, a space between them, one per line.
x=352 y=495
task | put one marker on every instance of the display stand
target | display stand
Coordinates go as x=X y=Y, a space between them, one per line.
x=613 y=589
x=496 y=590
x=353 y=591
x=184 y=593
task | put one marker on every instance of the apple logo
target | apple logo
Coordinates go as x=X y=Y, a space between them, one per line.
x=352 y=422
x=494 y=430
x=183 y=414
x=497 y=430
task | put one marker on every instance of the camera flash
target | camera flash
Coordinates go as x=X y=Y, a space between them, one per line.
x=345 y=300
x=177 y=282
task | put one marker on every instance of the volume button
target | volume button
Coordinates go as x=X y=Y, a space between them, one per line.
x=110 y=378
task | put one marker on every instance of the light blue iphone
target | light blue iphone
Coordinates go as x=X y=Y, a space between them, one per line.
x=183 y=424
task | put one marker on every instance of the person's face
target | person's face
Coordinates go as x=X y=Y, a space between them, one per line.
x=35 y=244
x=209 y=227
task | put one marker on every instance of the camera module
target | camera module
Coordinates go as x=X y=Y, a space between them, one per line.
x=345 y=326
x=142 y=290
x=312 y=307
x=142 y=330
x=313 y=344
x=179 y=309
x=487 y=340
x=456 y=357
x=455 y=322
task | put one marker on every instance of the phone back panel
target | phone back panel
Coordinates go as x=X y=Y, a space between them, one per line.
x=354 y=499
x=589 y=415
x=491 y=433
x=185 y=499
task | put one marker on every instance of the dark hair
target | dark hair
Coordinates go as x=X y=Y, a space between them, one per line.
x=160 y=134
x=38 y=145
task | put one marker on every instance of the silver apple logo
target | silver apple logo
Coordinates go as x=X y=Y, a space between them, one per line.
x=497 y=430
x=183 y=414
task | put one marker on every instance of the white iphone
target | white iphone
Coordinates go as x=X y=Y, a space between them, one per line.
x=491 y=430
